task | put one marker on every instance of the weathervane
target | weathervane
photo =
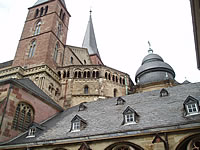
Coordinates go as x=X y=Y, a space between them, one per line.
x=150 y=50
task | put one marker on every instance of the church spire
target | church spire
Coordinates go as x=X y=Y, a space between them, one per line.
x=89 y=41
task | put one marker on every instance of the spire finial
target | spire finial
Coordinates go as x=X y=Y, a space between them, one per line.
x=150 y=51
x=90 y=11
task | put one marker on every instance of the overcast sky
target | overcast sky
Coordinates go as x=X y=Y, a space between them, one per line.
x=123 y=29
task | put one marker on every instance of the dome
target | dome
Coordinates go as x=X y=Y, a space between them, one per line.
x=153 y=69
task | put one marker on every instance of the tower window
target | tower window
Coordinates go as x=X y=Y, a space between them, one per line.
x=37 y=28
x=46 y=10
x=32 y=49
x=63 y=17
x=23 y=117
x=36 y=13
x=41 y=11
x=61 y=12
x=59 y=30
x=55 y=55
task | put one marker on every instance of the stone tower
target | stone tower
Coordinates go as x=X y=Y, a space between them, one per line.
x=44 y=35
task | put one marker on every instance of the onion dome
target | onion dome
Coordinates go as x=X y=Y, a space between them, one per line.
x=153 y=69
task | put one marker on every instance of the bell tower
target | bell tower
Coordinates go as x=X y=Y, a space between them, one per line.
x=44 y=35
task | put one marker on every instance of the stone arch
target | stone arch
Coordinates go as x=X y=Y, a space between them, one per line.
x=188 y=143
x=130 y=145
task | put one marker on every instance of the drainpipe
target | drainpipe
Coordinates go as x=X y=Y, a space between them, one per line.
x=7 y=98
x=126 y=85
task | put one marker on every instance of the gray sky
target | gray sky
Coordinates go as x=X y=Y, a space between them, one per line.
x=122 y=28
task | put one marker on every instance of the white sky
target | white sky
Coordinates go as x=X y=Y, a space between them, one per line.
x=122 y=28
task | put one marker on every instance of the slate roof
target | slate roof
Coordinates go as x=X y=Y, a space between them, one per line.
x=6 y=64
x=104 y=117
x=44 y=1
x=32 y=88
x=89 y=41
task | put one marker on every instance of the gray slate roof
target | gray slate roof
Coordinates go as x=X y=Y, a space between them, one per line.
x=89 y=41
x=32 y=88
x=104 y=117
x=43 y=1
x=6 y=64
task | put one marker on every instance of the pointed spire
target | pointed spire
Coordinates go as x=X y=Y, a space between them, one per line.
x=89 y=41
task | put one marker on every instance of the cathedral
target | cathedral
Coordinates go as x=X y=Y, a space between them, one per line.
x=55 y=96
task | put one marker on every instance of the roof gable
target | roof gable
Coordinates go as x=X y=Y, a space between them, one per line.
x=190 y=100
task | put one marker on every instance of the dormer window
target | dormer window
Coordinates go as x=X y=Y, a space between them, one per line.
x=164 y=93
x=31 y=132
x=82 y=107
x=78 y=124
x=191 y=106
x=130 y=116
x=120 y=101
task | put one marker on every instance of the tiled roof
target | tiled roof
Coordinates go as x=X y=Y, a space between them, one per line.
x=104 y=117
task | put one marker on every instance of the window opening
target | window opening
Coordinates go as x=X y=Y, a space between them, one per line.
x=55 y=53
x=72 y=60
x=59 y=30
x=86 y=89
x=36 y=13
x=23 y=117
x=32 y=49
x=46 y=10
x=63 y=17
x=41 y=11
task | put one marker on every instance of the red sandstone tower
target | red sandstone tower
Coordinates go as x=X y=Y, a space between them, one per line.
x=44 y=35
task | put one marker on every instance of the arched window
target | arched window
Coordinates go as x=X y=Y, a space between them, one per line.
x=61 y=12
x=41 y=11
x=97 y=74
x=32 y=49
x=59 y=30
x=68 y=74
x=55 y=55
x=84 y=74
x=59 y=74
x=106 y=75
x=76 y=74
x=109 y=76
x=93 y=74
x=72 y=60
x=64 y=74
x=37 y=28
x=79 y=74
x=24 y=116
x=36 y=13
x=46 y=10
x=63 y=17
x=88 y=74
x=86 y=89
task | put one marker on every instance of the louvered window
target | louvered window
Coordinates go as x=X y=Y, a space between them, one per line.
x=23 y=117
